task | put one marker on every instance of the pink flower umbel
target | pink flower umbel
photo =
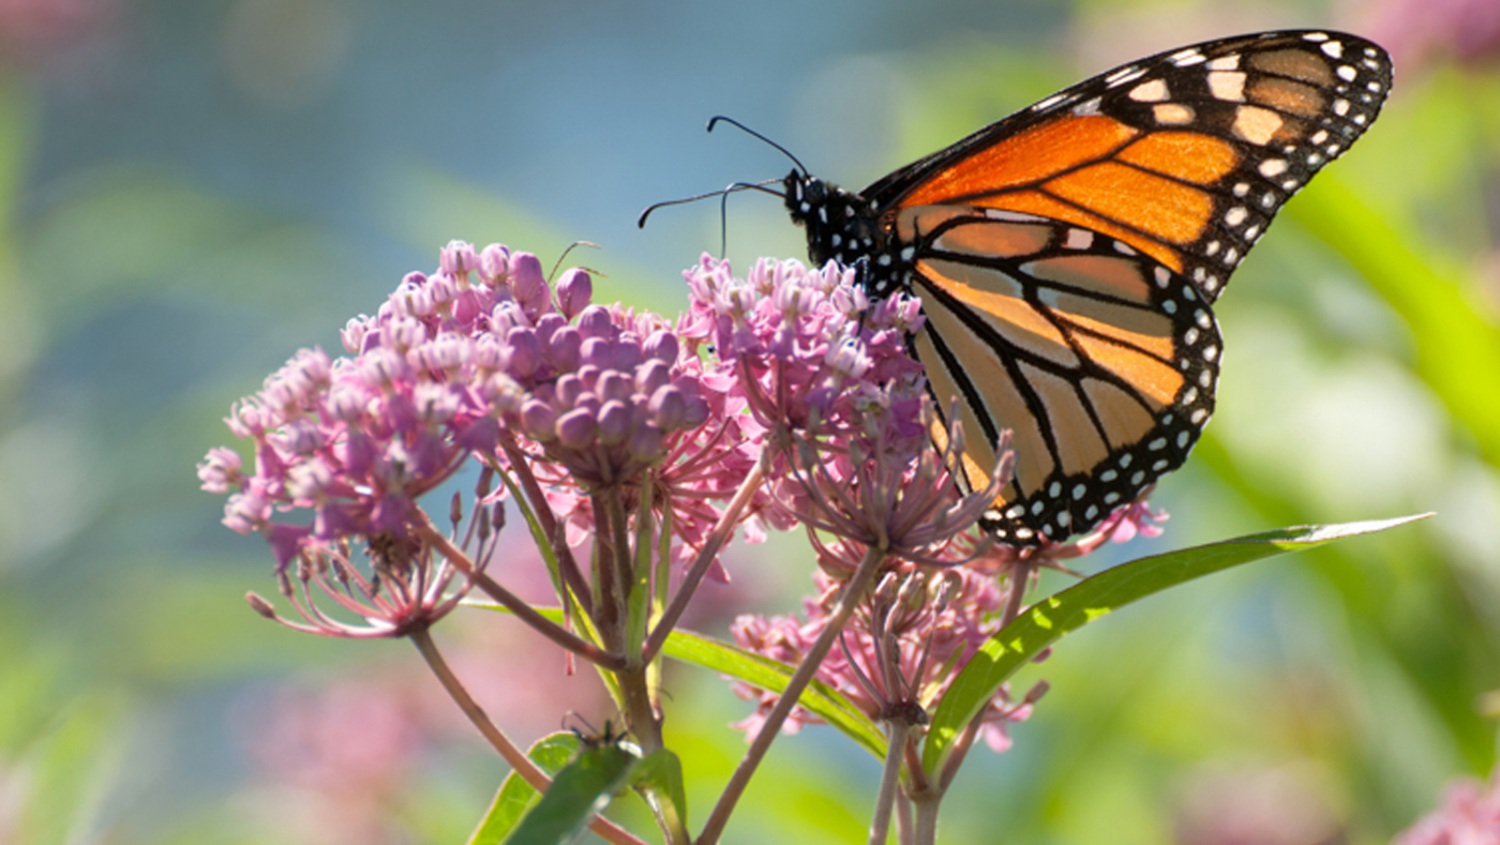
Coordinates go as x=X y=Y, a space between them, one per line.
x=901 y=650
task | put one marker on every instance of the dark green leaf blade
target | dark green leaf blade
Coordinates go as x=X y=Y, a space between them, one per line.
x=1055 y=616
x=583 y=788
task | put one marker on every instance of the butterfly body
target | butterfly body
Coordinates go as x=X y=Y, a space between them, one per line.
x=1067 y=256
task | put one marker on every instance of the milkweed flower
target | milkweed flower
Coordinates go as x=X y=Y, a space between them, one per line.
x=899 y=653
x=809 y=345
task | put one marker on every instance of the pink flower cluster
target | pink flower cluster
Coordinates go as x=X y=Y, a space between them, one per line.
x=454 y=364
x=902 y=648
x=811 y=352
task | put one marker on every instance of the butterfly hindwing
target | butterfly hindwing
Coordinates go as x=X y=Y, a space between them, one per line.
x=1100 y=360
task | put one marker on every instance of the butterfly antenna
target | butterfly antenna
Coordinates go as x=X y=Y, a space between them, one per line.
x=716 y=119
x=561 y=258
x=722 y=192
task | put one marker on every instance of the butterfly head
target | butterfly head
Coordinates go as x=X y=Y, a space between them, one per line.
x=840 y=224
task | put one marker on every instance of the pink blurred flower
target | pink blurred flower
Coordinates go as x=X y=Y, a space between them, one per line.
x=1417 y=32
x=335 y=760
x=34 y=32
x=1469 y=815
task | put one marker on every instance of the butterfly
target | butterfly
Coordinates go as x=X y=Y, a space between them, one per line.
x=1067 y=257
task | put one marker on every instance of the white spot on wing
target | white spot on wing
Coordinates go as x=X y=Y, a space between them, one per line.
x=1186 y=58
x=1225 y=85
x=1272 y=167
x=1089 y=107
x=1154 y=91
x=1173 y=114
x=1048 y=103
x=1129 y=73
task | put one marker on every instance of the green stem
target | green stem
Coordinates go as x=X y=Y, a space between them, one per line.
x=853 y=593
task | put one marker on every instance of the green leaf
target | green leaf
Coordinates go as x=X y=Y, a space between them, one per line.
x=658 y=777
x=828 y=703
x=1047 y=621
x=582 y=789
x=516 y=796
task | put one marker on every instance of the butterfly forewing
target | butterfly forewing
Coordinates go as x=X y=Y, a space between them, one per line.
x=1186 y=155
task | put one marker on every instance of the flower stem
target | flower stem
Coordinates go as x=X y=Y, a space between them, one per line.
x=567 y=566
x=512 y=754
x=905 y=834
x=523 y=611
x=716 y=539
x=854 y=592
x=889 y=780
x=927 y=813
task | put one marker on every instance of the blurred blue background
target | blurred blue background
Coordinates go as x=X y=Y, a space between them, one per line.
x=193 y=189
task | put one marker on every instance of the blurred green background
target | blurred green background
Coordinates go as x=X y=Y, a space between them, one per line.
x=192 y=189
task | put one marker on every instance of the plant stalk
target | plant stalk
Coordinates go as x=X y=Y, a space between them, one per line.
x=853 y=593
x=512 y=754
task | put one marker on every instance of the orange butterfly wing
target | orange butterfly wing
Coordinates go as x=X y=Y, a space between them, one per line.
x=1186 y=155
x=1067 y=256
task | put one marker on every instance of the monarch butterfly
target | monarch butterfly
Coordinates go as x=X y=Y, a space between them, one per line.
x=1066 y=257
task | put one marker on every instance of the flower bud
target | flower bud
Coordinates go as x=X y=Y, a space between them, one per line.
x=646 y=443
x=577 y=428
x=662 y=346
x=539 y=419
x=615 y=386
x=569 y=388
x=652 y=376
x=527 y=282
x=594 y=321
x=614 y=422
x=523 y=353
x=574 y=292
x=565 y=349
